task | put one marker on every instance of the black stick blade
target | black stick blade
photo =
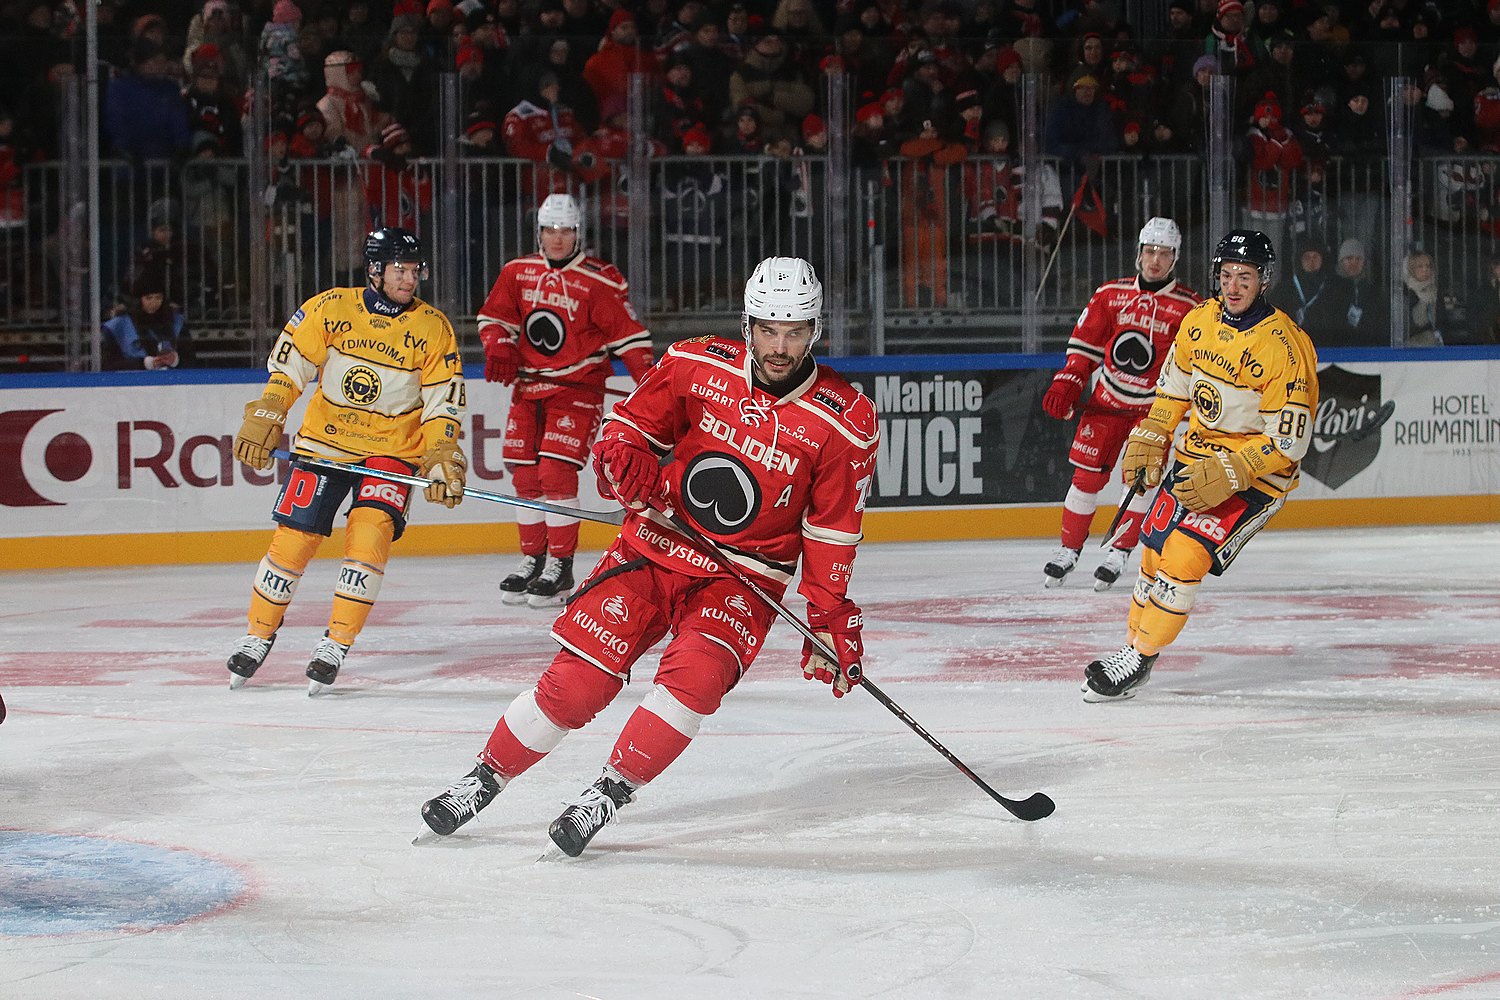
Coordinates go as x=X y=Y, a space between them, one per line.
x=1037 y=806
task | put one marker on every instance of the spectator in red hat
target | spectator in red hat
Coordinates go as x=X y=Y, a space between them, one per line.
x=679 y=104
x=620 y=54
x=212 y=106
x=481 y=135
x=1275 y=156
x=1227 y=40
x=870 y=142
x=397 y=192
x=217 y=25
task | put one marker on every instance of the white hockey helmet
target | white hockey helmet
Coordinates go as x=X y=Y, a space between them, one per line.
x=1161 y=232
x=560 y=211
x=784 y=289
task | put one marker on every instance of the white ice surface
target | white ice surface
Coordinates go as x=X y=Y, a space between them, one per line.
x=1302 y=803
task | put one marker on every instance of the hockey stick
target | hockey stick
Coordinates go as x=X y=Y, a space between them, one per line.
x=1036 y=806
x=564 y=383
x=1139 y=486
x=603 y=517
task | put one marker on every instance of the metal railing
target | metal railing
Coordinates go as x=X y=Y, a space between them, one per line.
x=938 y=268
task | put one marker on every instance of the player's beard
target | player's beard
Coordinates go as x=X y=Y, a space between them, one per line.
x=788 y=369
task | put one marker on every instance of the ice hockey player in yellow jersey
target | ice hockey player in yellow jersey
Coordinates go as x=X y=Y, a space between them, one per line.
x=1245 y=375
x=390 y=396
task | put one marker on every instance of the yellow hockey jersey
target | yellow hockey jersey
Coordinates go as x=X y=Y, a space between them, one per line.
x=1253 y=392
x=387 y=385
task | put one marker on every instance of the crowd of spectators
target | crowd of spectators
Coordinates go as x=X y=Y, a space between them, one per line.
x=935 y=81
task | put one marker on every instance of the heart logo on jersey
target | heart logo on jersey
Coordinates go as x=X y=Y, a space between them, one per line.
x=720 y=493
x=546 y=332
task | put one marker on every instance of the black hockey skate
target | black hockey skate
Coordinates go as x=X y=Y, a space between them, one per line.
x=1116 y=677
x=1107 y=572
x=593 y=810
x=247 y=658
x=553 y=586
x=461 y=802
x=1059 y=565
x=513 y=587
x=328 y=656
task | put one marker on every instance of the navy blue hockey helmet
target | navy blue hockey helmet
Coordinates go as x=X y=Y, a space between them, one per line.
x=1245 y=246
x=393 y=245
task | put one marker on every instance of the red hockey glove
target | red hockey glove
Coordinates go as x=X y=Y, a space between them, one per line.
x=839 y=628
x=629 y=473
x=502 y=361
x=1066 y=387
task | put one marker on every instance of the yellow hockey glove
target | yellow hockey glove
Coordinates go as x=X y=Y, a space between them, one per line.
x=446 y=466
x=260 y=433
x=1211 y=481
x=1146 y=451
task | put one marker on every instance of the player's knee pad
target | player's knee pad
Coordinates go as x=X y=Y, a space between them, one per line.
x=367 y=547
x=698 y=672
x=559 y=480
x=281 y=568
x=668 y=708
x=530 y=725
x=1174 y=595
x=527 y=480
x=1089 y=481
x=572 y=690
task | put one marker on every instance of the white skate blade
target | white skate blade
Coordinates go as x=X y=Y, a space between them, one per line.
x=553 y=853
x=316 y=688
x=1100 y=586
x=427 y=836
x=1052 y=581
x=507 y=597
x=556 y=601
x=236 y=682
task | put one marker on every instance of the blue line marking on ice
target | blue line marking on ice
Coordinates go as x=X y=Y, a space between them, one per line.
x=61 y=884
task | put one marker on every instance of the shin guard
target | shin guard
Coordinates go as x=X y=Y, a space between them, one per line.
x=367 y=548
x=277 y=576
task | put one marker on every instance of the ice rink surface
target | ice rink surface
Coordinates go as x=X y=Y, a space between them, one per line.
x=1302 y=802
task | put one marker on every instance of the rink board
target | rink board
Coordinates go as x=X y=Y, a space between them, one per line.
x=126 y=469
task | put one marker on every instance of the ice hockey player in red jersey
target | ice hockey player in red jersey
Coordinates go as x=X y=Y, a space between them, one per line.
x=556 y=316
x=1124 y=333
x=771 y=457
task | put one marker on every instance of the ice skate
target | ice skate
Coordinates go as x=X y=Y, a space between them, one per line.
x=553 y=585
x=590 y=813
x=459 y=803
x=1117 y=677
x=328 y=656
x=1059 y=565
x=1107 y=572
x=513 y=587
x=247 y=658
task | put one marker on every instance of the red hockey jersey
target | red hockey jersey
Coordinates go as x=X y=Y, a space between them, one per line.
x=1126 y=333
x=770 y=479
x=567 y=321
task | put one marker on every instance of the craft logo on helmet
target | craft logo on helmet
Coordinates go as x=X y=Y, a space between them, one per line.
x=720 y=493
x=1132 y=352
x=615 y=610
x=1207 y=401
x=361 y=385
x=1346 y=430
x=545 y=331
